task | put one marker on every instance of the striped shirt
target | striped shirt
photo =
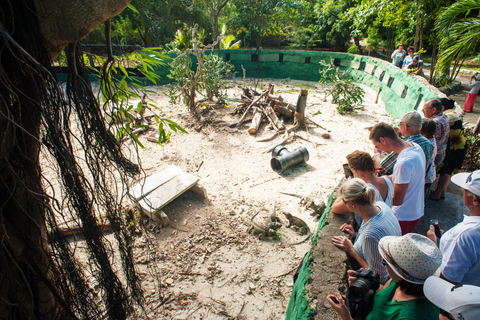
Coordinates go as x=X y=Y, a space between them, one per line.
x=366 y=243
x=443 y=130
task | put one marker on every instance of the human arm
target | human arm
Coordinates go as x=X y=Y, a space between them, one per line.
x=340 y=307
x=431 y=234
x=399 y=192
x=394 y=53
x=419 y=69
x=347 y=246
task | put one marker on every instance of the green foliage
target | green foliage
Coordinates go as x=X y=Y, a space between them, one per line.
x=116 y=103
x=330 y=28
x=277 y=236
x=205 y=78
x=341 y=87
x=228 y=41
x=472 y=158
x=459 y=30
x=353 y=49
x=286 y=80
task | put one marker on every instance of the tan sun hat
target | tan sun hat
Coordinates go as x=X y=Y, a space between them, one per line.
x=412 y=257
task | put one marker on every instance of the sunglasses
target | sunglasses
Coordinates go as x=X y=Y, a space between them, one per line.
x=345 y=201
x=446 y=314
x=384 y=262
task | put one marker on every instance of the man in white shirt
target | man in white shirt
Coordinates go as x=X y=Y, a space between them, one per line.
x=408 y=175
x=460 y=246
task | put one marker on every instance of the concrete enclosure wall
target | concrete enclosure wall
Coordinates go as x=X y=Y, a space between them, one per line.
x=399 y=91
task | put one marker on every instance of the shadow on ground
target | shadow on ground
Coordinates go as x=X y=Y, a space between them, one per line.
x=448 y=211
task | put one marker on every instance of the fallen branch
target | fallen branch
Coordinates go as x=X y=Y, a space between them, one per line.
x=284 y=274
x=281 y=142
x=250 y=106
x=315 y=123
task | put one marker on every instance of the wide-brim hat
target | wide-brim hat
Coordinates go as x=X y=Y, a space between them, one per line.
x=461 y=301
x=412 y=257
x=468 y=181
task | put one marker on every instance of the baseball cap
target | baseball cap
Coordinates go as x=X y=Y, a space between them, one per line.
x=416 y=57
x=461 y=301
x=411 y=48
x=412 y=119
x=468 y=181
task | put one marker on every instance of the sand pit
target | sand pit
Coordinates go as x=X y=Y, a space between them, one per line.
x=208 y=265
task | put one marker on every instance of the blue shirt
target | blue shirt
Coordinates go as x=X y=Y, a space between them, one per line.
x=460 y=247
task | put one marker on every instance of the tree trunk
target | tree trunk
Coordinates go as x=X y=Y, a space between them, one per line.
x=23 y=223
x=433 y=64
x=215 y=29
x=418 y=26
x=27 y=284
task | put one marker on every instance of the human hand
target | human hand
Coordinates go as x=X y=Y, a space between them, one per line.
x=351 y=277
x=431 y=234
x=343 y=243
x=348 y=228
x=338 y=304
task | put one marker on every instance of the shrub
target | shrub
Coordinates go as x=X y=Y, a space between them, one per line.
x=341 y=87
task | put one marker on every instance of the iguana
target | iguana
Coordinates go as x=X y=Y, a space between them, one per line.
x=299 y=224
x=272 y=224
x=309 y=203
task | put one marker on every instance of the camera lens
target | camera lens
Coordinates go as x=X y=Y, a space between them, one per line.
x=359 y=289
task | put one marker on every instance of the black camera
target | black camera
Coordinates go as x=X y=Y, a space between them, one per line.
x=348 y=172
x=366 y=280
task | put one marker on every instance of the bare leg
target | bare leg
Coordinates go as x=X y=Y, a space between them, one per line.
x=443 y=182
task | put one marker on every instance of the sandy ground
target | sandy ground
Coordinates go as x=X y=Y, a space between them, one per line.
x=206 y=265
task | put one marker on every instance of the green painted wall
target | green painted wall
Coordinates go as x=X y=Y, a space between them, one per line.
x=400 y=92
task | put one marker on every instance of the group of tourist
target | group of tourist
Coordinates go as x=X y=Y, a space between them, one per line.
x=411 y=63
x=407 y=61
x=421 y=277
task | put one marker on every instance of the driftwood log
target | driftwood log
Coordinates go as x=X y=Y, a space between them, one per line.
x=256 y=120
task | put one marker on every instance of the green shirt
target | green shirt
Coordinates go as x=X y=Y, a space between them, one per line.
x=385 y=309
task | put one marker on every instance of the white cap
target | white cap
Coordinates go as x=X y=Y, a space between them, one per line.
x=461 y=301
x=468 y=181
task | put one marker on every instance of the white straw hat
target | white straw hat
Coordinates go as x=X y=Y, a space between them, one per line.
x=468 y=181
x=412 y=257
x=461 y=301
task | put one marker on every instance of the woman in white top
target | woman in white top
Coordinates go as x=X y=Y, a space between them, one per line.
x=363 y=167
